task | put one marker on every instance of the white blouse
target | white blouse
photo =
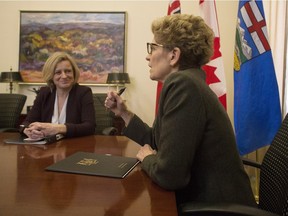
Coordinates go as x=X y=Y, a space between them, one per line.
x=56 y=118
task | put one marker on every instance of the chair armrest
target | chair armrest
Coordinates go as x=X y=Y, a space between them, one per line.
x=250 y=162
x=221 y=209
x=9 y=130
x=110 y=131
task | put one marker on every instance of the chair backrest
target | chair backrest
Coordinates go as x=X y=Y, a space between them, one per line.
x=11 y=106
x=273 y=191
x=104 y=119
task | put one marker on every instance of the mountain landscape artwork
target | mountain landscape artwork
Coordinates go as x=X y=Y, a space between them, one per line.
x=95 y=39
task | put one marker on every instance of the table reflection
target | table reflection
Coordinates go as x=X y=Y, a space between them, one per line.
x=58 y=152
x=27 y=188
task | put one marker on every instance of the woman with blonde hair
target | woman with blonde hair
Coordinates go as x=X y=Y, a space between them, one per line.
x=63 y=106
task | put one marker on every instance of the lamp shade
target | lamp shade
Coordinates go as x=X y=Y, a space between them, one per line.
x=118 y=78
x=10 y=76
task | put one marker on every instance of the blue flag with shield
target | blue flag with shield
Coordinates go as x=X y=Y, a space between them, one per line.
x=257 y=112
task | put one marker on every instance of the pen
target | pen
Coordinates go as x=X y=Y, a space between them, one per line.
x=121 y=91
x=22 y=128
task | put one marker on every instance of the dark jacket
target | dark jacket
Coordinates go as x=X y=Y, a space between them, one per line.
x=197 y=154
x=80 y=113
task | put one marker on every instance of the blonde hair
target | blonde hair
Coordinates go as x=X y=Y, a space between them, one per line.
x=50 y=66
x=187 y=32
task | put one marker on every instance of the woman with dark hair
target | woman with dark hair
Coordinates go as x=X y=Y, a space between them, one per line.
x=191 y=146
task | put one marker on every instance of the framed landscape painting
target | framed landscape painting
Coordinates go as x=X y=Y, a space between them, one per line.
x=96 y=40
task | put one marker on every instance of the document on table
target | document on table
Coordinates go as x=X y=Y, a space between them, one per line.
x=25 y=141
x=96 y=164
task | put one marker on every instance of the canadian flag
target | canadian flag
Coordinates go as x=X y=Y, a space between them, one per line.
x=215 y=76
x=174 y=7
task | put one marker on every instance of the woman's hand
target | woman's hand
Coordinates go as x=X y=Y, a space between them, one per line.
x=38 y=130
x=115 y=103
x=144 y=152
x=33 y=131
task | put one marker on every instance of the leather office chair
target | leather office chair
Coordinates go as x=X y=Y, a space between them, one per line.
x=104 y=118
x=11 y=106
x=273 y=188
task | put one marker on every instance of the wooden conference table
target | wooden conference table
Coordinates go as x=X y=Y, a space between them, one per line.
x=27 y=189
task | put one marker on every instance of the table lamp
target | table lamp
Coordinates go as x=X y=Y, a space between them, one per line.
x=118 y=79
x=11 y=77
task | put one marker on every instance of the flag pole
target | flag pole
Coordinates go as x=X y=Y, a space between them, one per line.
x=285 y=68
x=257 y=179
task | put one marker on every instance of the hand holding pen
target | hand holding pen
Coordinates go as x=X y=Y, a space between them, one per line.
x=115 y=103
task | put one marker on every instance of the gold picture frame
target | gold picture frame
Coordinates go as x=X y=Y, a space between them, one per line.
x=95 y=39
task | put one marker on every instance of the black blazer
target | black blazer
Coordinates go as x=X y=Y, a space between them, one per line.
x=80 y=113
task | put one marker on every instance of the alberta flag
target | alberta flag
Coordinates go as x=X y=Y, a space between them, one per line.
x=257 y=113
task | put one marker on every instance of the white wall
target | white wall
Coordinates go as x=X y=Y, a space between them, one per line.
x=140 y=94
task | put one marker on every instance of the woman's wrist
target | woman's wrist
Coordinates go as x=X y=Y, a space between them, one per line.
x=62 y=129
x=127 y=116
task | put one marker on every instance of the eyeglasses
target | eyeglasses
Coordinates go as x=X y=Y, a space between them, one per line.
x=60 y=72
x=151 y=47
